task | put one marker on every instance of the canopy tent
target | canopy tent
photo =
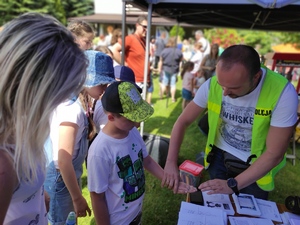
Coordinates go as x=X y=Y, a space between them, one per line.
x=276 y=15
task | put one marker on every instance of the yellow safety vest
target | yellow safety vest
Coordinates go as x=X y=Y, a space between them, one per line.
x=272 y=88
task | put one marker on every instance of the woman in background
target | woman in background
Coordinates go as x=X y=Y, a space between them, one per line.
x=116 y=46
x=40 y=67
x=209 y=62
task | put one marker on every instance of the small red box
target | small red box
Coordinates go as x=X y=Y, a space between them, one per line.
x=190 y=172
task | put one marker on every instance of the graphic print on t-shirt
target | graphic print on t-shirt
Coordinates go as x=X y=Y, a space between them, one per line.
x=236 y=125
x=133 y=177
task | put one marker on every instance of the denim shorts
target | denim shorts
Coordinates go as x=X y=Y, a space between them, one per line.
x=60 y=199
x=169 y=79
x=187 y=95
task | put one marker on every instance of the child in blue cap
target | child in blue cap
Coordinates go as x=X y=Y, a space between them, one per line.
x=71 y=128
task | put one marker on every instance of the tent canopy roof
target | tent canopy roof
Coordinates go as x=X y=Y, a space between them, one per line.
x=280 y=15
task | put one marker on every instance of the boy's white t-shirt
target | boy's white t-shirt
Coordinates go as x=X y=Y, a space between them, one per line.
x=66 y=112
x=115 y=166
x=237 y=114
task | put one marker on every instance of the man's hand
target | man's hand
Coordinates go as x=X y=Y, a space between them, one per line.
x=184 y=188
x=216 y=186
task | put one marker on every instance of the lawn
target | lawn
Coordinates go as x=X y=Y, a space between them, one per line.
x=161 y=206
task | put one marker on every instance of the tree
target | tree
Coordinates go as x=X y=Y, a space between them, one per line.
x=60 y=9
x=74 y=8
x=223 y=37
x=177 y=30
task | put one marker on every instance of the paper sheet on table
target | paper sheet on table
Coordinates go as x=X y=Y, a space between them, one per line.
x=269 y=210
x=219 y=201
x=249 y=221
x=192 y=214
x=293 y=219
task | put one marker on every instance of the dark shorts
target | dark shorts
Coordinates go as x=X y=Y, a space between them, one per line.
x=187 y=95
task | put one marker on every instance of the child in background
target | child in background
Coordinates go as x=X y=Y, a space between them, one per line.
x=187 y=83
x=83 y=32
x=105 y=50
x=118 y=156
x=71 y=128
x=199 y=79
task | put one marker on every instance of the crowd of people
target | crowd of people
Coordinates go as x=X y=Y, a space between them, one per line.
x=167 y=55
x=54 y=86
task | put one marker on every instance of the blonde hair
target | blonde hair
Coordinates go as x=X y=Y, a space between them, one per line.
x=40 y=67
x=115 y=35
x=171 y=42
x=79 y=28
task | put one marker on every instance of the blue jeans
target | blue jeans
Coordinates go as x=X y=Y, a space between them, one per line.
x=217 y=170
x=60 y=199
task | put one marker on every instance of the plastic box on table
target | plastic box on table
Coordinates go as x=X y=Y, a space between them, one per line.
x=190 y=172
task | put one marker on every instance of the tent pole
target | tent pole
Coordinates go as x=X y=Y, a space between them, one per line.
x=123 y=33
x=146 y=66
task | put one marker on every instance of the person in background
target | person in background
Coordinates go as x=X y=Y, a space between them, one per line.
x=199 y=37
x=197 y=57
x=41 y=66
x=135 y=50
x=251 y=114
x=71 y=129
x=116 y=45
x=200 y=78
x=106 y=50
x=187 y=83
x=118 y=156
x=160 y=44
x=83 y=32
x=109 y=35
x=209 y=61
x=169 y=64
x=101 y=41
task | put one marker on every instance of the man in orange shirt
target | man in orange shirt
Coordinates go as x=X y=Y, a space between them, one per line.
x=135 y=49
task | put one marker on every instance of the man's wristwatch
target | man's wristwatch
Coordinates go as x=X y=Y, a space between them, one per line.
x=232 y=183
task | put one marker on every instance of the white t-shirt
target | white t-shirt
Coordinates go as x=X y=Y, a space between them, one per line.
x=27 y=205
x=66 y=112
x=197 y=59
x=235 y=131
x=205 y=45
x=199 y=82
x=115 y=166
x=100 y=117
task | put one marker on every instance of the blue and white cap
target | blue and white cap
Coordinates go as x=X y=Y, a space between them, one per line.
x=100 y=69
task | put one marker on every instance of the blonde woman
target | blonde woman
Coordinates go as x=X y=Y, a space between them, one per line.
x=40 y=67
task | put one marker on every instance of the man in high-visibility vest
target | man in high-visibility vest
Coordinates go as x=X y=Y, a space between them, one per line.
x=251 y=115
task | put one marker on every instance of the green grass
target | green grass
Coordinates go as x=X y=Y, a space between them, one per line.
x=161 y=206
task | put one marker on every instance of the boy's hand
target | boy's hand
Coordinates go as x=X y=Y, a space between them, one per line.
x=185 y=188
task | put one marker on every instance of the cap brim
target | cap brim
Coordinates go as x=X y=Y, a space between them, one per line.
x=142 y=113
